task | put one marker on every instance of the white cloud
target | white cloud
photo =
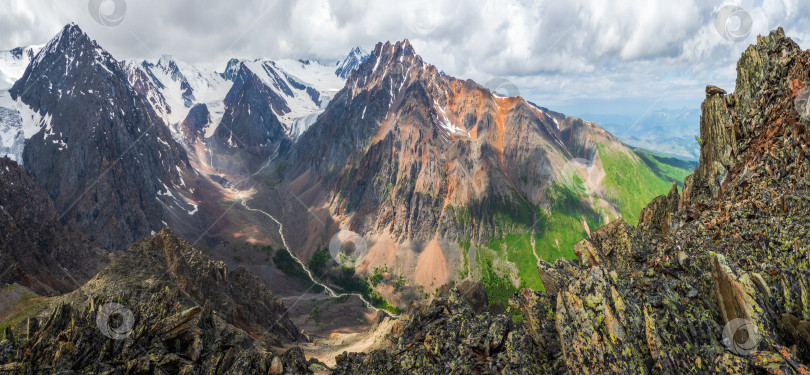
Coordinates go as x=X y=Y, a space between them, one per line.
x=556 y=52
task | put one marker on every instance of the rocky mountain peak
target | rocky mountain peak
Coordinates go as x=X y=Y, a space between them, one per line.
x=97 y=137
x=399 y=59
x=74 y=48
x=69 y=55
x=352 y=61
x=231 y=69
x=730 y=123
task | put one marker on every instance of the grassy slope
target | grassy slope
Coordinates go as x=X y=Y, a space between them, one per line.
x=25 y=304
x=666 y=167
x=631 y=185
x=555 y=233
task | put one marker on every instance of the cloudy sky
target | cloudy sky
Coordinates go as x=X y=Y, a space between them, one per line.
x=576 y=56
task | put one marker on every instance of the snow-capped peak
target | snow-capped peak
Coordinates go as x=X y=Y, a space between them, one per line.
x=353 y=60
x=305 y=86
x=183 y=85
x=14 y=62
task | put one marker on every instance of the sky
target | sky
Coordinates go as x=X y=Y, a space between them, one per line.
x=575 y=56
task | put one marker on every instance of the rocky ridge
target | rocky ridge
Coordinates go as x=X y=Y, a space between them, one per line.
x=160 y=307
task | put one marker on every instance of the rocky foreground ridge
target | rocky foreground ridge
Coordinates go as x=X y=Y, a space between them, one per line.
x=161 y=307
x=729 y=252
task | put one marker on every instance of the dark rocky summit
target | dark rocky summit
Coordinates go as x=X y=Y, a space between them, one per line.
x=102 y=153
x=165 y=261
x=715 y=278
x=165 y=339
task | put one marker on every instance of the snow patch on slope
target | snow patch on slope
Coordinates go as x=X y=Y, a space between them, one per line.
x=444 y=122
x=13 y=64
x=18 y=123
x=171 y=77
x=302 y=79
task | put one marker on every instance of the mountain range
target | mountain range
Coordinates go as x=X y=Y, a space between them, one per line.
x=668 y=131
x=432 y=171
x=265 y=165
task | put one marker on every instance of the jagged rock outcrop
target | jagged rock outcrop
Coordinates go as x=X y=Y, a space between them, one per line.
x=160 y=307
x=162 y=338
x=165 y=261
x=656 y=217
x=36 y=250
x=448 y=336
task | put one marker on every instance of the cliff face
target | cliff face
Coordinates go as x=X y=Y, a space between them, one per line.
x=714 y=280
x=35 y=249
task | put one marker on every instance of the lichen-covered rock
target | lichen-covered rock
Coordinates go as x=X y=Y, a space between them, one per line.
x=598 y=329
x=160 y=339
x=161 y=307
x=448 y=336
x=164 y=260
x=656 y=218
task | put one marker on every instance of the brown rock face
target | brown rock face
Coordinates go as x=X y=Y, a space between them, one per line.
x=408 y=152
x=731 y=297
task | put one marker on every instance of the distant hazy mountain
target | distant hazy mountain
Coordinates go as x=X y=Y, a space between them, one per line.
x=669 y=131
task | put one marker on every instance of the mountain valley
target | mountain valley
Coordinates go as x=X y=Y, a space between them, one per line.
x=376 y=215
